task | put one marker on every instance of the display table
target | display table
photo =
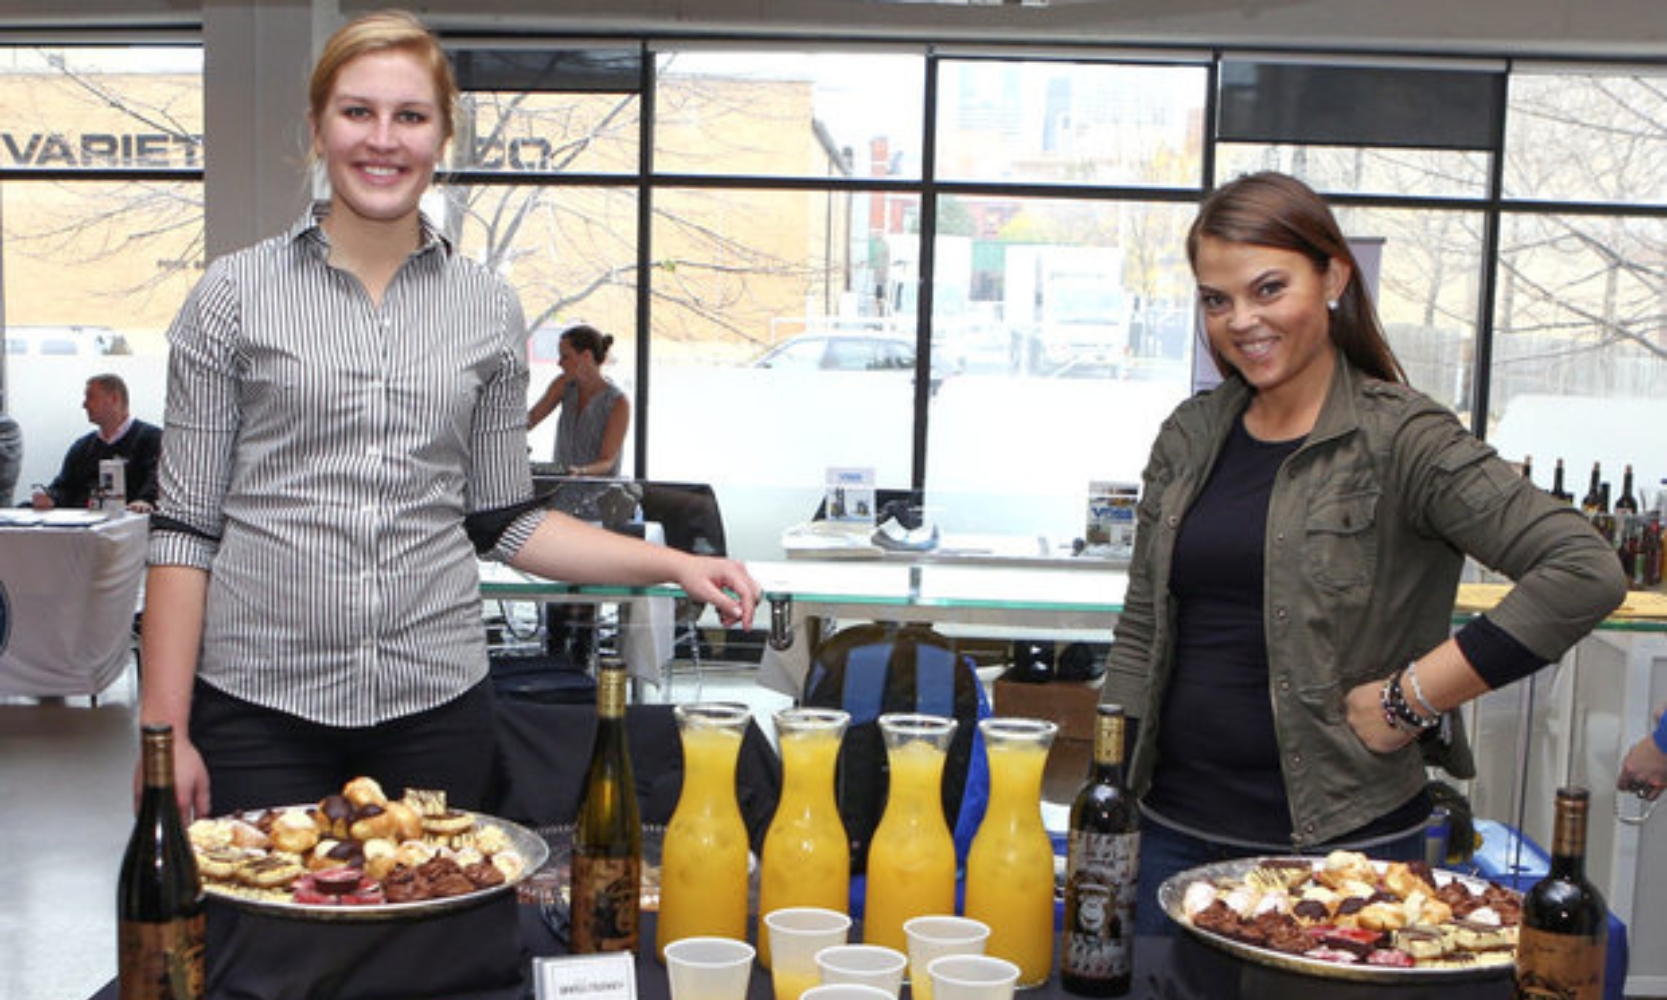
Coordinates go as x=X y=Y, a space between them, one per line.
x=68 y=593
x=409 y=960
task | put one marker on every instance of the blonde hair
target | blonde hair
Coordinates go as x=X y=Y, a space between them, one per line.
x=384 y=31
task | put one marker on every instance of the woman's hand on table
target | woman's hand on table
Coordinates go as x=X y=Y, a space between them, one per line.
x=725 y=584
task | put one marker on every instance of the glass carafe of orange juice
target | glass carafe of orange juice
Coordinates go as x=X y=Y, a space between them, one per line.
x=703 y=876
x=911 y=860
x=807 y=858
x=1010 y=864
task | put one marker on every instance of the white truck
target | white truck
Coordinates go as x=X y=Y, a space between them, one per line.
x=1066 y=308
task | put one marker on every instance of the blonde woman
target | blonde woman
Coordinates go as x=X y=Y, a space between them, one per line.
x=345 y=431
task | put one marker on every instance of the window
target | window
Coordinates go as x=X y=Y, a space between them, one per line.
x=101 y=200
x=810 y=257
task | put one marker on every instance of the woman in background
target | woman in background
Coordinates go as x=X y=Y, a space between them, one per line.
x=590 y=432
x=1286 y=635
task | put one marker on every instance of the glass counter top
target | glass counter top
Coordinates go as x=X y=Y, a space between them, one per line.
x=1074 y=597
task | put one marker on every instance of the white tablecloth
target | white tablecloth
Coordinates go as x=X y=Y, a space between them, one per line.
x=67 y=598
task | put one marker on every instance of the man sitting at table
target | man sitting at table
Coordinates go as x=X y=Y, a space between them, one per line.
x=119 y=435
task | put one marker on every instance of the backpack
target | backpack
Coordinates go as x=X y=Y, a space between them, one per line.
x=871 y=670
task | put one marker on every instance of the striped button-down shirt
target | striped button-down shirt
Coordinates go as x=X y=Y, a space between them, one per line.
x=319 y=456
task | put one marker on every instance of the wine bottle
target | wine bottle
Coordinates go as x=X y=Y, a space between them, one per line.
x=1528 y=468
x=1557 y=490
x=1593 y=501
x=607 y=842
x=1096 y=957
x=159 y=900
x=1626 y=503
x=1602 y=519
x=1565 y=924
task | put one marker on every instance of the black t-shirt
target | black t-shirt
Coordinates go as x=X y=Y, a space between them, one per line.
x=1218 y=768
x=1218 y=761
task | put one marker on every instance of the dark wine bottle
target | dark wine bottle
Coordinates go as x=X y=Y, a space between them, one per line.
x=1528 y=468
x=1096 y=957
x=607 y=842
x=1593 y=501
x=1626 y=503
x=1565 y=924
x=159 y=900
x=1558 y=492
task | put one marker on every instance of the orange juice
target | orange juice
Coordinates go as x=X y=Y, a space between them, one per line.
x=1010 y=865
x=789 y=985
x=807 y=857
x=703 y=877
x=911 y=861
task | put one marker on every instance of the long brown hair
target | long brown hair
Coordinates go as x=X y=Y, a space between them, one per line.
x=1270 y=209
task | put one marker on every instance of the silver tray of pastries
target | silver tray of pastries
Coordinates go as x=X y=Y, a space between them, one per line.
x=362 y=861
x=1347 y=917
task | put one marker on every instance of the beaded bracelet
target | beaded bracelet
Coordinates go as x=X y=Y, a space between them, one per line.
x=1430 y=711
x=1398 y=713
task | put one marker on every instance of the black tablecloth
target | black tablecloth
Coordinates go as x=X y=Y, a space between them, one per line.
x=484 y=953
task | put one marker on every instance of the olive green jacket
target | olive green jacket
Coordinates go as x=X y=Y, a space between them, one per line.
x=1368 y=525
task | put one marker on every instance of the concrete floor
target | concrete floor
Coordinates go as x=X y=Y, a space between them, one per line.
x=66 y=778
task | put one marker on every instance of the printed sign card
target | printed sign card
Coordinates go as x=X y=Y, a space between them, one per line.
x=609 y=976
x=850 y=495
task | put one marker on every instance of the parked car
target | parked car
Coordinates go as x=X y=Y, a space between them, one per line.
x=845 y=352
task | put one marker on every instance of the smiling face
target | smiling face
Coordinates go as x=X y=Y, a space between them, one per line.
x=1265 y=313
x=380 y=136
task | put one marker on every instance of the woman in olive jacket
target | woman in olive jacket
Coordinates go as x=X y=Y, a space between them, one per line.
x=1286 y=632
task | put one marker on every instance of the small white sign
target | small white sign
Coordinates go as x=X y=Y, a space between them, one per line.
x=1111 y=519
x=609 y=976
x=850 y=495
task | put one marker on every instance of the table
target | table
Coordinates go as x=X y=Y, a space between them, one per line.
x=290 y=960
x=68 y=593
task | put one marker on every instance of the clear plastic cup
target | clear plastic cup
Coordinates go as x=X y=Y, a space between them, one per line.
x=935 y=936
x=708 y=968
x=973 y=977
x=864 y=964
x=797 y=933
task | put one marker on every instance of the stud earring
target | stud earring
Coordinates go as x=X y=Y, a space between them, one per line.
x=1331 y=304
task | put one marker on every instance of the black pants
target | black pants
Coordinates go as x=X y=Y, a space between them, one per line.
x=260 y=757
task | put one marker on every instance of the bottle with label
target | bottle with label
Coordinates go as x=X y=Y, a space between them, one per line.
x=159 y=900
x=1593 y=501
x=1565 y=924
x=607 y=841
x=1096 y=955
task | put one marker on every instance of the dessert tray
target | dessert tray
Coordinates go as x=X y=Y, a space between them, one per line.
x=1349 y=918
x=303 y=885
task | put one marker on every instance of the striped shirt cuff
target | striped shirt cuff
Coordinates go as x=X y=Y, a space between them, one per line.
x=178 y=548
x=516 y=535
